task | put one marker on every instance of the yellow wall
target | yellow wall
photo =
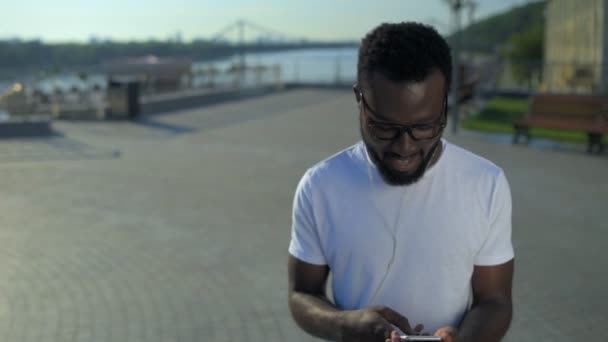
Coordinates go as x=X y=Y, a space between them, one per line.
x=575 y=45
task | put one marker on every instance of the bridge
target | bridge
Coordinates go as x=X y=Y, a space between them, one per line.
x=241 y=29
x=245 y=33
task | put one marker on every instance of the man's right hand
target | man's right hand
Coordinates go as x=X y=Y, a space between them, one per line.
x=373 y=324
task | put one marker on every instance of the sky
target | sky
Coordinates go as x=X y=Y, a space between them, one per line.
x=124 y=20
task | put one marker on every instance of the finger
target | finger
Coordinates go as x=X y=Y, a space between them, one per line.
x=395 y=337
x=396 y=319
x=445 y=337
x=447 y=334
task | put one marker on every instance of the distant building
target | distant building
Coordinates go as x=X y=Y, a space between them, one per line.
x=576 y=46
x=155 y=74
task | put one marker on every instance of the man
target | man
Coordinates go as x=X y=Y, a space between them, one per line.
x=415 y=231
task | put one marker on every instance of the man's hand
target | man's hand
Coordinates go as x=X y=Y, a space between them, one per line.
x=373 y=324
x=447 y=334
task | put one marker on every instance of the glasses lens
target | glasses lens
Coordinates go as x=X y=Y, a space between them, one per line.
x=425 y=132
x=383 y=132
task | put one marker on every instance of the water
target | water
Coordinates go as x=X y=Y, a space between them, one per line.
x=324 y=66
x=302 y=66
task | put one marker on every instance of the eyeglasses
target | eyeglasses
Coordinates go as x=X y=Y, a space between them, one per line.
x=386 y=131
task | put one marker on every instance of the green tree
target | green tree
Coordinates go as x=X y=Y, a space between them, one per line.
x=491 y=33
x=525 y=52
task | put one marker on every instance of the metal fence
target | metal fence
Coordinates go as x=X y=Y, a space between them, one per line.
x=489 y=74
x=69 y=95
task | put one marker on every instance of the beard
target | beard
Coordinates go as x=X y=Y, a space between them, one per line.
x=398 y=178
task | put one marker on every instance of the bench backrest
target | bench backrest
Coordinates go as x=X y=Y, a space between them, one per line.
x=580 y=108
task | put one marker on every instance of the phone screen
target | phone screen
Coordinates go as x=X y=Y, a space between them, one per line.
x=415 y=338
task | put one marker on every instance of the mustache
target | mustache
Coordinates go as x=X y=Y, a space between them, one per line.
x=425 y=157
x=393 y=155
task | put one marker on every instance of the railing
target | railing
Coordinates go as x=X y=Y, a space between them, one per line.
x=489 y=74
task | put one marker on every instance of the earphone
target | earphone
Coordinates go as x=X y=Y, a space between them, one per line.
x=395 y=230
x=392 y=233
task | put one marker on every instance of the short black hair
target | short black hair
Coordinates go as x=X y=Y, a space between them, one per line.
x=404 y=52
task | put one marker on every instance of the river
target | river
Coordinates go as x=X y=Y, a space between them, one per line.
x=324 y=66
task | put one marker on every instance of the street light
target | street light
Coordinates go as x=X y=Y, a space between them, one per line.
x=456 y=6
x=472 y=7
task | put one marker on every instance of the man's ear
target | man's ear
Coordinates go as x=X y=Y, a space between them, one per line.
x=357 y=92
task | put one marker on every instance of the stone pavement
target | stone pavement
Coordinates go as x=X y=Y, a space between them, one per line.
x=175 y=228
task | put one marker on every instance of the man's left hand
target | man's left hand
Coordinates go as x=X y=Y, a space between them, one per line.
x=447 y=334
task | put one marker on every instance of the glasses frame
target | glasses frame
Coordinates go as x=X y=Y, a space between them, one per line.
x=401 y=129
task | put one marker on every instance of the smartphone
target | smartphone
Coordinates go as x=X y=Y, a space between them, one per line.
x=419 y=338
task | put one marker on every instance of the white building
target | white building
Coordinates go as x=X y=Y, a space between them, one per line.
x=576 y=46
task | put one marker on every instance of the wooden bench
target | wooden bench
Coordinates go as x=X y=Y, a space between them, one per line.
x=583 y=113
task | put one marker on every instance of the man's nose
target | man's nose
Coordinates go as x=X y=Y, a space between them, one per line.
x=405 y=143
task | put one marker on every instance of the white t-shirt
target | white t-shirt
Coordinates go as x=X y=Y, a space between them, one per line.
x=411 y=248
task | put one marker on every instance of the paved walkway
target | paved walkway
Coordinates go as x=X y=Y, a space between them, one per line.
x=176 y=228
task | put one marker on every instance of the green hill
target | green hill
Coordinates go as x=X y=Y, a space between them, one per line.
x=493 y=32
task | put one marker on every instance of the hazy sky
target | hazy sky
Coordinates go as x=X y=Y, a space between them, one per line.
x=78 y=20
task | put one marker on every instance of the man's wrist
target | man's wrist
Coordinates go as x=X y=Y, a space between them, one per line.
x=340 y=320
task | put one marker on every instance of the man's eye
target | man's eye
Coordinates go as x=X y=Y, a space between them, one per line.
x=424 y=128
x=384 y=127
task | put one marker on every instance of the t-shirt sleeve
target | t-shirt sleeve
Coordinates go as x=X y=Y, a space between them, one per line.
x=497 y=247
x=305 y=243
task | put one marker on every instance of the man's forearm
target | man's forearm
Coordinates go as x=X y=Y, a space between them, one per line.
x=486 y=322
x=316 y=315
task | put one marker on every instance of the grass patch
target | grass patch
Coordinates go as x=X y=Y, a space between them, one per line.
x=504 y=110
x=487 y=126
x=500 y=112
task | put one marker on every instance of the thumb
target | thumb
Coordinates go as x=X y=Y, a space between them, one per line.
x=447 y=334
x=396 y=319
x=395 y=337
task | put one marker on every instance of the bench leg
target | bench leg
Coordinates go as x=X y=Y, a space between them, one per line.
x=594 y=140
x=519 y=130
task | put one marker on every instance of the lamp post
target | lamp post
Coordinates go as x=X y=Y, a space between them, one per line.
x=456 y=7
x=241 y=32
